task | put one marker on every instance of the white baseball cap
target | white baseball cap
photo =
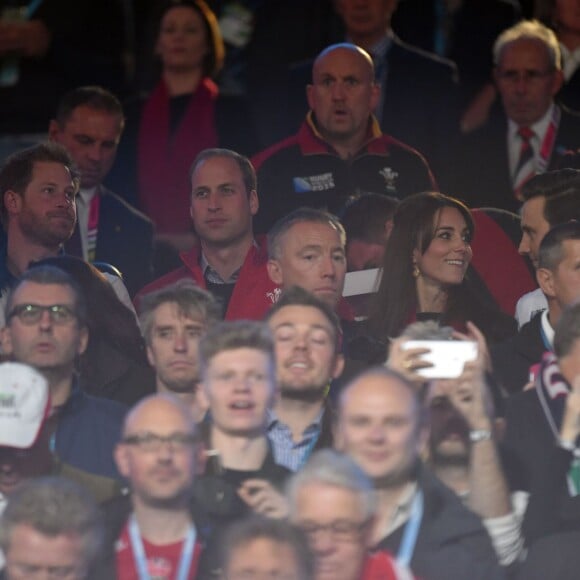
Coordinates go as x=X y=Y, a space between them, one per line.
x=24 y=404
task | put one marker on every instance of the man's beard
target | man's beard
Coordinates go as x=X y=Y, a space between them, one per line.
x=308 y=394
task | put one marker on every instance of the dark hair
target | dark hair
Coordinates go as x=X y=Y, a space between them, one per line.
x=550 y=253
x=241 y=534
x=46 y=273
x=364 y=218
x=94 y=97
x=567 y=331
x=301 y=215
x=191 y=301
x=245 y=165
x=214 y=59
x=107 y=318
x=561 y=190
x=298 y=296
x=413 y=229
x=17 y=170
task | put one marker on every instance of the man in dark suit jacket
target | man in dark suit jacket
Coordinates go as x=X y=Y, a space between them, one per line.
x=495 y=162
x=89 y=122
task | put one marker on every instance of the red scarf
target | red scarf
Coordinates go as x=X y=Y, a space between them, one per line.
x=164 y=160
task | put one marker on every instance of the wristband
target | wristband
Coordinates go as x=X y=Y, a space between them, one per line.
x=567 y=445
x=479 y=435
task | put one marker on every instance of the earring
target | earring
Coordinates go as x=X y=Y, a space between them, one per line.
x=416 y=271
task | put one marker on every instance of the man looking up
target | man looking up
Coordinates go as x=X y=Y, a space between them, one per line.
x=381 y=425
x=229 y=261
x=89 y=123
x=154 y=527
x=306 y=335
x=340 y=147
x=38 y=188
x=46 y=328
x=173 y=319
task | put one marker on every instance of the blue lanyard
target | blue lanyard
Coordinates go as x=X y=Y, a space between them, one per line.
x=141 y=558
x=411 y=532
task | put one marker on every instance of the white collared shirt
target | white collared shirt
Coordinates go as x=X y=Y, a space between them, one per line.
x=515 y=141
x=547 y=328
x=83 y=201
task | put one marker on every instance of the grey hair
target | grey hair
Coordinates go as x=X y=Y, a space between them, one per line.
x=54 y=506
x=301 y=215
x=242 y=533
x=529 y=30
x=337 y=470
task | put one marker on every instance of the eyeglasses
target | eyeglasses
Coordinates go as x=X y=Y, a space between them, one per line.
x=340 y=530
x=151 y=443
x=29 y=314
x=529 y=76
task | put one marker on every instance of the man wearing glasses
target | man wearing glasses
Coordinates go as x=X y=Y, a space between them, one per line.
x=46 y=329
x=533 y=132
x=334 y=503
x=152 y=534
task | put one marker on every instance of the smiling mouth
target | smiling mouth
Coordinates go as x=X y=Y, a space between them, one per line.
x=242 y=406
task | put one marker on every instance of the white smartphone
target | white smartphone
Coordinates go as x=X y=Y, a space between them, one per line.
x=446 y=356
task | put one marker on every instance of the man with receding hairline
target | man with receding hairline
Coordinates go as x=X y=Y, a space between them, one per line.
x=381 y=425
x=153 y=529
x=339 y=148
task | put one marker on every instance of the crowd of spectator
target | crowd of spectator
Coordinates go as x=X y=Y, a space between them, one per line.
x=290 y=289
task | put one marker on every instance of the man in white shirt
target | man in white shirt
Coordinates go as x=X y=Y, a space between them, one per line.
x=531 y=134
x=549 y=199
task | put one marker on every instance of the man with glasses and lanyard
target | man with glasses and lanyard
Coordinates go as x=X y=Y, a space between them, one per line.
x=151 y=534
x=46 y=329
x=381 y=425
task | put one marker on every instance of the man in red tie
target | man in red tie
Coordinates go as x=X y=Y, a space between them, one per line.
x=529 y=136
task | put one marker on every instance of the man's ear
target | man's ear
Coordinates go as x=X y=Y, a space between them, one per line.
x=6 y=340
x=83 y=340
x=545 y=280
x=254 y=202
x=12 y=201
x=120 y=455
x=150 y=356
x=275 y=271
x=53 y=130
x=338 y=366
